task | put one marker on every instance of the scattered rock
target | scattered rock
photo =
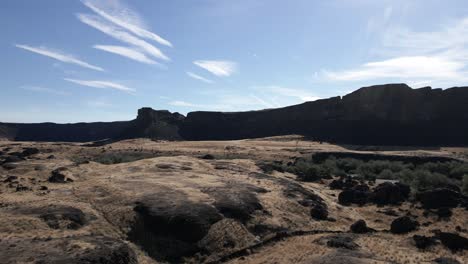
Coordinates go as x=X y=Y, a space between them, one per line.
x=43 y=188
x=389 y=193
x=356 y=196
x=440 y=197
x=12 y=159
x=423 y=242
x=63 y=217
x=444 y=212
x=22 y=188
x=319 y=212
x=403 y=225
x=29 y=152
x=444 y=260
x=453 y=241
x=208 y=157
x=360 y=227
x=342 y=242
x=11 y=178
x=61 y=175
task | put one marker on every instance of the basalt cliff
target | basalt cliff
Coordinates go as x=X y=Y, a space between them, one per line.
x=391 y=114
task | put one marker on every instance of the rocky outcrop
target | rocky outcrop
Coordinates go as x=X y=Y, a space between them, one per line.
x=391 y=114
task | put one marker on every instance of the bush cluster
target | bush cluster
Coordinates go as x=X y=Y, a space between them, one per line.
x=423 y=176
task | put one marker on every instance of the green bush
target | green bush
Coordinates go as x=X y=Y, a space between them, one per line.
x=465 y=184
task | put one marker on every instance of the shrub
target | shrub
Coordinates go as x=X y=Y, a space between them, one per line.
x=465 y=184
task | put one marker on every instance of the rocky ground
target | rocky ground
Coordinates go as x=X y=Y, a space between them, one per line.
x=143 y=201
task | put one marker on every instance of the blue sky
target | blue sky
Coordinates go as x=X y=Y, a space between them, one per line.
x=101 y=60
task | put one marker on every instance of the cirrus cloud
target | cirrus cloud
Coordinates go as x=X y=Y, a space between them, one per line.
x=220 y=68
x=101 y=84
x=60 y=56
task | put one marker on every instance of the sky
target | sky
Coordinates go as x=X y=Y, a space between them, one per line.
x=101 y=60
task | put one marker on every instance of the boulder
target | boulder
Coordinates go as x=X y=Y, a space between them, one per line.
x=61 y=175
x=403 y=225
x=360 y=227
x=389 y=193
x=341 y=241
x=423 y=242
x=208 y=157
x=353 y=196
x=29 y=152
x=11 y=178
x=440 y=197
x=319 y=212
x=169 y=226
x=63 y=217
x=453 y=241
x=445 y=260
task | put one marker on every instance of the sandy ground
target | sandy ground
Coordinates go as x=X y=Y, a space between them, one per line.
x=174 y=175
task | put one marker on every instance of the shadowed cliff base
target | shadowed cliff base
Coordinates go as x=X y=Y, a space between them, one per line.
x=391 y=114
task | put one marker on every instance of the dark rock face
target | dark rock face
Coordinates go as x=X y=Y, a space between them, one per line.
x=168 y=226
x=154 y=124
x=423 y=242
x=453 y=241
x=360 y=227
x=441 y=197
x=389 y=193
x=391 y=114
x=403 y=225
x=101 y=250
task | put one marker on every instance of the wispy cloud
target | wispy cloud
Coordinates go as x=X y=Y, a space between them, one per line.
x=182 y=103
x=115 y=12
x=404 y=68
x=126 y=52
x=218 y=67
x=101 y=84
x=121 y=35
x=60 y=56
x=438 y=57
x=198 y=77
x=43 y=90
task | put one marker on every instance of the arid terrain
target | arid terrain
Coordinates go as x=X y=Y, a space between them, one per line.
x=243 y=201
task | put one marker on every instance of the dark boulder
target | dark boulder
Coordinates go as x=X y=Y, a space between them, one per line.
x=440 y=197
x=353 y=196
x=444 y=212
x=12 y=159
x=453 y=241
x=445 y=260
x=11 y=178
x=341 y=241
x=168 y=225
x=423 y=242
x=208 y=157
x=389 y=193
x=61 y=175
x=360 y=227
x=403 y=225
x=63 y=217
x=336 y=184
x=29 y=152
x=319 y=212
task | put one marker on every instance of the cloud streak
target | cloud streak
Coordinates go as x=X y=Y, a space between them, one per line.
x=109 y=29
x=124 y=17
x=220 y=68
x=101 y=84
x=198 y=77
x=126 y=52
x=60 y=56
x=437 y=57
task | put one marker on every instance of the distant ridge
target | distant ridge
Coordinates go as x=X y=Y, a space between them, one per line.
x=390 y=114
